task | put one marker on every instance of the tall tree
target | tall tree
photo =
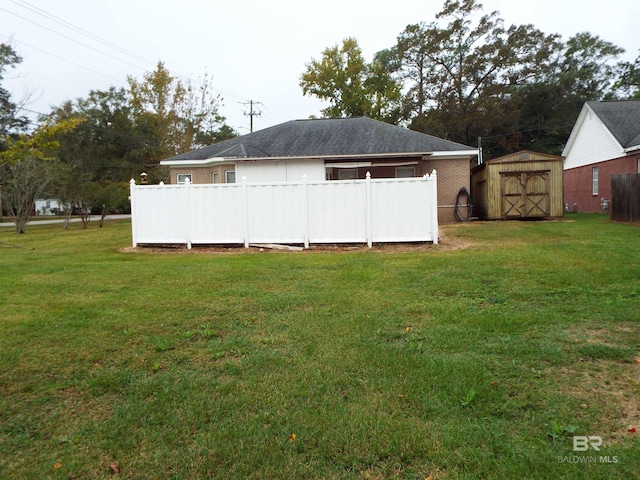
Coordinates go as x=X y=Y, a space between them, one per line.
x=581 y=69
x=104 y=144
x=100 y=155
x=350 y=85
x=628 y=84
x=383 y=89
x=461 y=69
x=11 y=122
x=127 y=131
x=28 y=168
x=175 y=115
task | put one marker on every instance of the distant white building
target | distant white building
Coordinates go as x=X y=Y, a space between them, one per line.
x=48 y=206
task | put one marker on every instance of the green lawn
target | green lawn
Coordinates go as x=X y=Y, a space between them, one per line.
x=476 y=362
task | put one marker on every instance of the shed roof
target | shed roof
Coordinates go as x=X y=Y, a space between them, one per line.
x=522 y=156
x=622 y=118
x=525 y=156
x=326 y=138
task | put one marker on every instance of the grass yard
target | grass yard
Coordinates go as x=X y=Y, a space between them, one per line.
x=443 y=363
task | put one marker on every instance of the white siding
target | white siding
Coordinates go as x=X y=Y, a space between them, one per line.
x=590 y=142
x=280 y=170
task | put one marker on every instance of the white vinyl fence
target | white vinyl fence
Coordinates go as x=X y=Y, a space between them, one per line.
x=346 y=211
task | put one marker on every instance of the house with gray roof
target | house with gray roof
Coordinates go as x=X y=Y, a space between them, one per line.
x=605 y=140
x=330 y=149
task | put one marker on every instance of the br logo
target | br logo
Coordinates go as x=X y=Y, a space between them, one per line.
x=582 y=444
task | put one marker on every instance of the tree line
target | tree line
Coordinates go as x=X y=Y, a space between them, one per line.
x=84 y=152
x=464 y=76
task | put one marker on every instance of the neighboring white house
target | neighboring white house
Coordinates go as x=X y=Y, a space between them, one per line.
x=48 y=206
x=605 y=140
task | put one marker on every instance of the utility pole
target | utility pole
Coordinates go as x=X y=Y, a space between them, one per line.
x=252 y=113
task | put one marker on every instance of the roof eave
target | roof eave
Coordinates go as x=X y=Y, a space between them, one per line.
x=634 y=148
x=455 y=154
x=196 y=162
x=452 y=154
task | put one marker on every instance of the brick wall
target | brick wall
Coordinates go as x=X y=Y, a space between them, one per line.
x=452 y=176
x=201 y=175
x=578 y=183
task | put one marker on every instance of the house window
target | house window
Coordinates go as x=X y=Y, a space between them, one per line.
x=638 y=164
x=405 y=172
x=215 y=177
x=230 y=176
x=183 y=177
x=594 y=180
x=348 y=174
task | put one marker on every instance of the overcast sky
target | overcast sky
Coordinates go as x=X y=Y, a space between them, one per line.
x=255 y=50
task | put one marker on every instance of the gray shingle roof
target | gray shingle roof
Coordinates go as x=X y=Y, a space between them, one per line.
x=326 y=137
x=622 y=118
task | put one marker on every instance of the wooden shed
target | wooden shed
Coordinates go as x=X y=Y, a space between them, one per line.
x=520 y=185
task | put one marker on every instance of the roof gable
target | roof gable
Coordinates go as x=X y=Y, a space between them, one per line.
x=325 y=138
x=622 y=119
x=591 y=141
x=525 y=156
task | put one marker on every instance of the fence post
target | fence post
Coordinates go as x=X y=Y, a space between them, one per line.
x=305 y=210
x=434 y=206
x=132 y=194
x=246 y=212
x=187 y=185
x=369 y=212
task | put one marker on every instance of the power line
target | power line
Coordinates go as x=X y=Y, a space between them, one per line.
x=72 y=39
x=62 y=58
x=86 y=33
x=80 y=30
x=273 y=115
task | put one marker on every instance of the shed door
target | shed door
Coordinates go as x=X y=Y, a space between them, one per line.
x=524 y=194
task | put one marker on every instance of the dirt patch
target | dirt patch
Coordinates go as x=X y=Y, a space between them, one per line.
x=603 y=336
x=612 y=389
x=447 y=242
x=612 y=386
